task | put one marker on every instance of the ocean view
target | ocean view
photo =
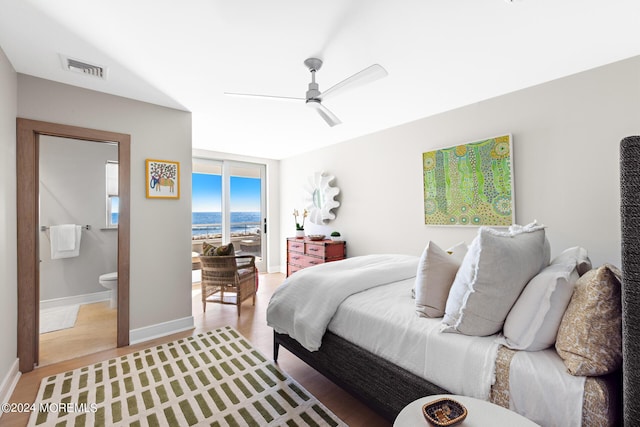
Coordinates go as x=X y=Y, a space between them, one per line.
x=210 y=223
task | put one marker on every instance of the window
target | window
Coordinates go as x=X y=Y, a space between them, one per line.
x=112 y=194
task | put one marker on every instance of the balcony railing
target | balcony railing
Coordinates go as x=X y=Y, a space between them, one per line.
x=212 y=231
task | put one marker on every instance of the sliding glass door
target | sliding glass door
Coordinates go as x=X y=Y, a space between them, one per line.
x=228 y=205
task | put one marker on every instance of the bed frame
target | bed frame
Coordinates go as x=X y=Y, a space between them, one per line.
x=387 y=388
x=630 y=222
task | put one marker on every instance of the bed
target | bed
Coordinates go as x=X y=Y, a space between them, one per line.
x=387 y=387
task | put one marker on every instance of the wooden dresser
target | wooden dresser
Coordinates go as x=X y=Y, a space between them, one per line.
x=305 y=252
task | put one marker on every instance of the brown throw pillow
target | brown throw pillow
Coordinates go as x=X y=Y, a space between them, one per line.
x=589 y=339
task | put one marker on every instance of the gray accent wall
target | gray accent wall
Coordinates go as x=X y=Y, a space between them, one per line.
x=73 y=191
x=8 y=242
x=160 y=272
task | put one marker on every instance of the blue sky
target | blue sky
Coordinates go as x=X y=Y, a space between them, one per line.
x=207 y=196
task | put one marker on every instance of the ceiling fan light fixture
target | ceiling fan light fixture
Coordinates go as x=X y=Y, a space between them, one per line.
x=312 y=102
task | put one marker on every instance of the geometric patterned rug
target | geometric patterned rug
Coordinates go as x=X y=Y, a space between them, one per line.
x=213 y=379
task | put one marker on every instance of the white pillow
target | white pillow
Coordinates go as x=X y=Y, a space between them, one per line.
x=436 y=270
x=576 y=255
x=496 y=268
x=533 y=322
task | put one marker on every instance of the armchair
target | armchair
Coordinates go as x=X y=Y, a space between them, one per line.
x=222 y=275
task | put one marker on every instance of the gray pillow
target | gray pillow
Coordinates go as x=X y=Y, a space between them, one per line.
x=497 y=267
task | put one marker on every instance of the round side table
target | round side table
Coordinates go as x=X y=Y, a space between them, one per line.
x=480 y=413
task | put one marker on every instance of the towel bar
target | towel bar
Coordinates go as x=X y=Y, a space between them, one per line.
x=46 y=227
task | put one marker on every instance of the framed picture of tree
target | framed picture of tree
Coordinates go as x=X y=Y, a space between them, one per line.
x=470 y=184
x=163 y=179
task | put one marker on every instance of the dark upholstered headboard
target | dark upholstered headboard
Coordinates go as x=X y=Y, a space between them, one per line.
x=630 y=220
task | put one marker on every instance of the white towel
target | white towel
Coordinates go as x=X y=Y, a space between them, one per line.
x=65 y=240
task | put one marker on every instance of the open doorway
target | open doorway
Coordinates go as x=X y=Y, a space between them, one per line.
x=228 y=206
x=78 y=187
x=28 y=196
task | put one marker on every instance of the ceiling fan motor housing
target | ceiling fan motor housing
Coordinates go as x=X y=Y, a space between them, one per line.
x=313 y=64
x=313 y=92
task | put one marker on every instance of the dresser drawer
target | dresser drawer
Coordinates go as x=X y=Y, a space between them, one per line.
x=310 y=261
x=295 y=246
x=302 y=253
x=304 y=260
x=314 y=249
x=292 y=269
x=327 y=250
x=295 y=258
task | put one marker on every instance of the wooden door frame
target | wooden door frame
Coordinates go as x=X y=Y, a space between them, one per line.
x=27 y=165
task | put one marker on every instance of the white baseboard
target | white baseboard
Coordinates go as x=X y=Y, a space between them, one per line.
x=76 y=299
x=9 y=383
x=160 y=330
x=196 y=276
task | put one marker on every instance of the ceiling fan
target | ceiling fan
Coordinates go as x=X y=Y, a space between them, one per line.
x=314 y=97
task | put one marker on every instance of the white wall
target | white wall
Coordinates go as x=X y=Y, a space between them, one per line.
x=160 y=274
x=566 y=136
x=273 y=200
x=73 y=191
x=8 y=243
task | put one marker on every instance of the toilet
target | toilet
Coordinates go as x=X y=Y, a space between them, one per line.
x=110 y=281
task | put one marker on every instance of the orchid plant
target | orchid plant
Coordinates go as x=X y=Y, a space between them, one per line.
x=296 y=214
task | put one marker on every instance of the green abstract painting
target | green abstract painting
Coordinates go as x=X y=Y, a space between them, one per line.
x=469 y=184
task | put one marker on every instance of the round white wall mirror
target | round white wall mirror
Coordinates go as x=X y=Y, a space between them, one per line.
x=319 y=198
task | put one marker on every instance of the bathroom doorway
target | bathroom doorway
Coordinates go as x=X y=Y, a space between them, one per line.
x=78 y=217
x=29 y=133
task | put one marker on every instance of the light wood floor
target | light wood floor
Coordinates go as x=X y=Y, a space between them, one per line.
x=95 y=330
x=252 y=324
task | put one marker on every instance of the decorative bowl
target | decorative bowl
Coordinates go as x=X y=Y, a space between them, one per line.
x=444 y=412
x=316 y=236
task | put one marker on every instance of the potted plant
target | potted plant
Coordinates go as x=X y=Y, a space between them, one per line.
x=335 y=236
x=300 y=225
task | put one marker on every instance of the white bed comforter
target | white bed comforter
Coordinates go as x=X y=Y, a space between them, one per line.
x=304 y=304
x=384 y=321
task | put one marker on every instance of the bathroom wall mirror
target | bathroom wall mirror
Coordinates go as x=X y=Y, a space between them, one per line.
x=319 y=198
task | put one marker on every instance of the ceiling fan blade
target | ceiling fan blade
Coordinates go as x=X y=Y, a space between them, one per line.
x=252 y=95
x=369 y=74
x=324 y=112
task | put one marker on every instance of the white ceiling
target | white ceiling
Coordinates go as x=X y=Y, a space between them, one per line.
x=440 y=55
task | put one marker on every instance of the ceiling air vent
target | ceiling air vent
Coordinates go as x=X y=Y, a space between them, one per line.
x=82 y=67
